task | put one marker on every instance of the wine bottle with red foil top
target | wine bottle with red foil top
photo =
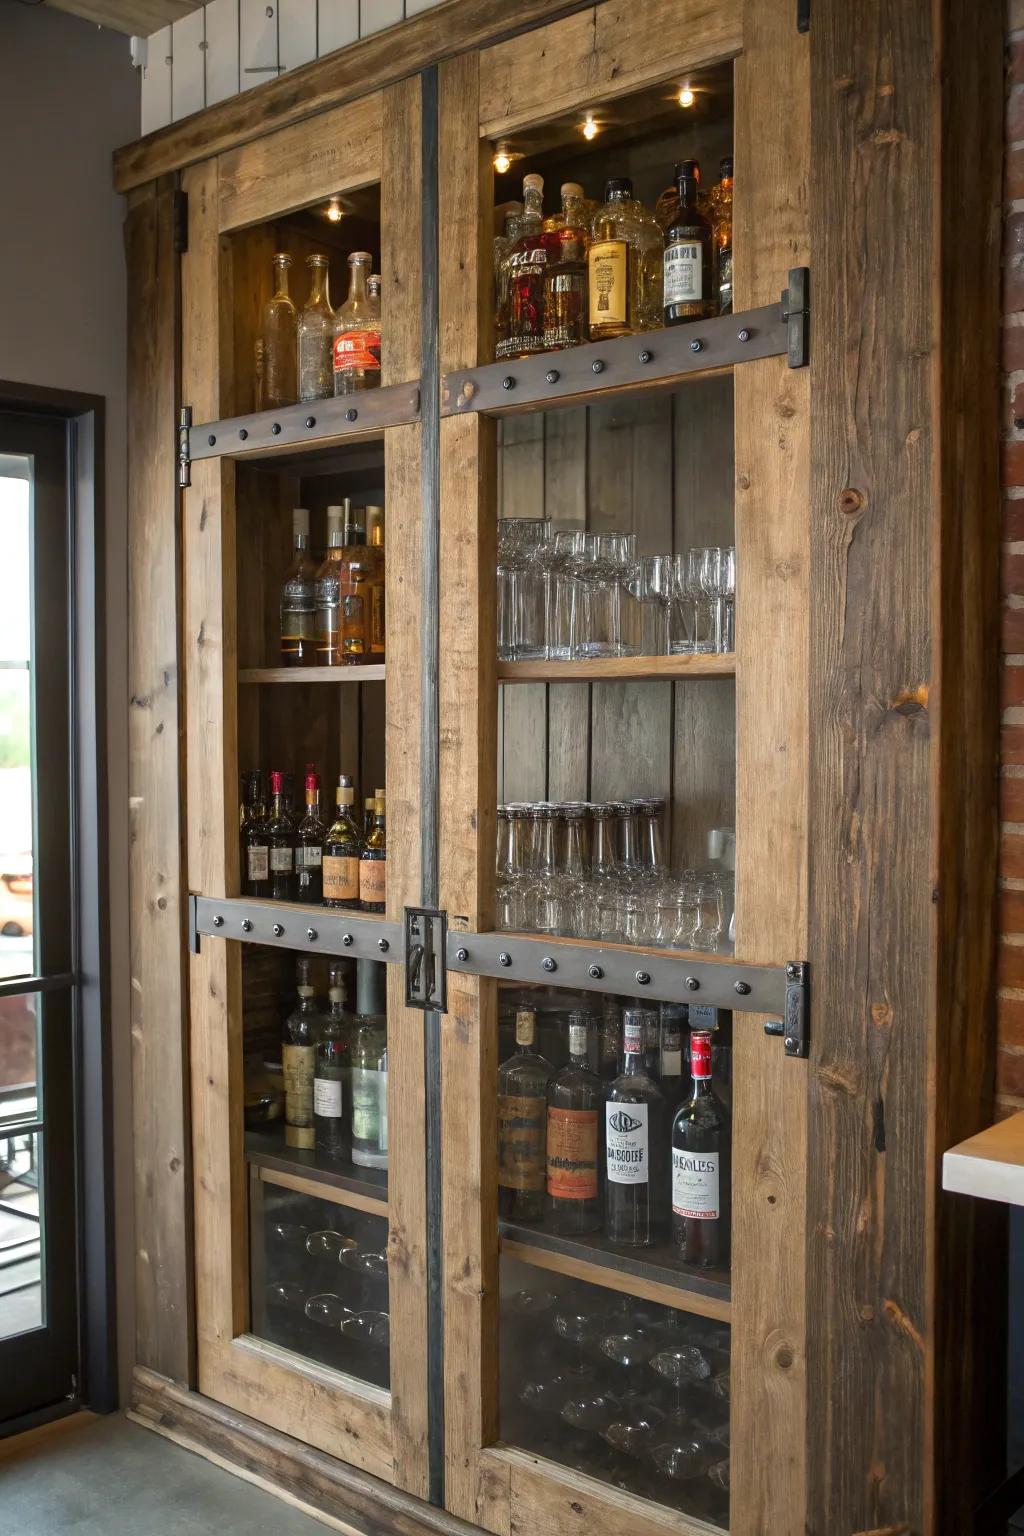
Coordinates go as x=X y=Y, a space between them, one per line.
x=280 y=834
x=701 y=1147
x=635 y=1144
x=309 y=844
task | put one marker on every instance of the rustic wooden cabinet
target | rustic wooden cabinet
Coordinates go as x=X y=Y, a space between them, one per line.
x=864 y=553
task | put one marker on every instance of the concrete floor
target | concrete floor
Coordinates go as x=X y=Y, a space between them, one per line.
x=107 y=1477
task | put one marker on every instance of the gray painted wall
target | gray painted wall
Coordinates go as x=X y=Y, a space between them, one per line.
x=68 y=98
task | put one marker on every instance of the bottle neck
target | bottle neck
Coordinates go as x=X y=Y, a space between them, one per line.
x=318 y=277
x=686 y=187
x=312 y=799
x=300 y=542
x=357 y=283
x=546 y=859
x=700 y=1064
x=277 y=803
x=575 y=856
x=579 y=1044
x=281 y=283
x=628 y=853
x=651 y=843
x=334 y=538
x=604 y=856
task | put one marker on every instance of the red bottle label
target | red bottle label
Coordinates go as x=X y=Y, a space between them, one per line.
x=356 y=349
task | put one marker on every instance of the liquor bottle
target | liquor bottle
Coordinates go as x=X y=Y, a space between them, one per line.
x=251 y=781
x=689 y=260
x=575 y=1096
x=373 y=287
x=309 y=846
x=369 y=812
x=279 y=341
x=721 y=223
x=635 y=1145
x=356 y=332
x=370 y=1068
x=257 y=849
x=522 y=1121
x=258 y=383
x=700 y=1167
x=525 y=262
x=571 y=216
x=298 y=598
x=327 y=594
x=280 y=835
x=566 y=315
x=373 y=865
x=623 y=265
x=342 y=848
x=331 y=1080
x=374 y=598
x=316 y=335
x=301 y=1030
x=503 y=243
x=353 y=588
x=671 y=1024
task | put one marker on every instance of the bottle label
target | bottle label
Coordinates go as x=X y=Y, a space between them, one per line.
x=521 y=1141
x=377 y=617
x=298 y=1065
x=308 y=856
x=356 y=350
x=607 y=266
x=671 y=1061
x=327 y=1098
x=572 y=1154
x=577 y=1039
x=684 y=272
x=633 y=1037
x=259 y=862
x=525 y=1028
x=695 y=1184
x=341 y=878
x=703 y=1016
x=281 y=861
x=366 y=1099
x=626 y=1142
x=700 y=1056
x=373 y=874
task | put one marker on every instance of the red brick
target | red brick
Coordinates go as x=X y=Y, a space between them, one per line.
x=1013 y=463
x=1011 y=799
x=1010 y=1073
x=1013 y=518
x=1011 y=747
x=1011 y=912
x=1011 y=856
x=1013 y=262
x=1015 y=64
x=1011 y=689
x=1013 y=407
x=1013 y=176
x=1011 y=574
x=1010 y=969
x=1015 y=116
x=1010 y=1021
x=1013 y=347
x=1014 y=15
x=1013 y=631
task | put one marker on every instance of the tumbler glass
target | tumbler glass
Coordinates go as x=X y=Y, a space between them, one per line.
x=529 y=585
x=562 y=594
x=697 y=573
x=728 y=598
x=711 y=593
x=681 y=617
x=655 y=583
x=602 y=563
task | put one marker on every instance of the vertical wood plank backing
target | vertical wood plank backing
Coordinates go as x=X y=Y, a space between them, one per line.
x=401 y=268
x=769 y=1108
x=163 y=1215
x=523 y=709
x=211 y=757
x=703 y=766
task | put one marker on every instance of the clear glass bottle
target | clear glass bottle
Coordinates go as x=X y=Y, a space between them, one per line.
x=357 y=332
x=254 y=850
x=525 y=263
x=374 y=596
x=522 y=1119
x=278 y=328
x=316 y=334
x=623 y=265
x=280 y=835
x=720 y=211
x=332 y=1085
x=298 y=598
x=309 y=846
x=566 y=313
x=571 y=216
x=342 y=848
x=327 y=594
x=700 y=1167
x=373 y=866
x=370 y=1068
x=503 y=243
x=689 y=274
x=575 y=1096
x=373 y=287
x=301 y=1032
x=354 y=588
x=635 y=1145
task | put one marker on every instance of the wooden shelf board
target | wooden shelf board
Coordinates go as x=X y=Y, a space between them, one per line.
x=367 y=674
x=989 y=1165
x=653 y=1273
x=618 y=668
x=309 y=1172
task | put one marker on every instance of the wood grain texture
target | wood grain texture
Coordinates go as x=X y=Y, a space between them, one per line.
x=603 y=52
x=333 y=1193
x=548 y=1500
x=772 y=416
x=132 y=17
x=160 y=1095
x=665 y=1294
x=306 y=163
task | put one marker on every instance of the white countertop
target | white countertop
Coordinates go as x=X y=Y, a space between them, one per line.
x=989 y=1165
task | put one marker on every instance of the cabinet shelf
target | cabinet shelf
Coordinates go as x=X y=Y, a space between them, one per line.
x=644 y=361
x=312 y=1173
x=368 y=674
x=653 y=1273
x=618 y=668
x=310 y=425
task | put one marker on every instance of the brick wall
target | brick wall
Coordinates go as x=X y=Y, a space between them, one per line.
x=1010 y=1074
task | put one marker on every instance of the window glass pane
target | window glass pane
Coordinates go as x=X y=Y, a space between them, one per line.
x=16 y=861
x=21 y=1297
x=19 y=1055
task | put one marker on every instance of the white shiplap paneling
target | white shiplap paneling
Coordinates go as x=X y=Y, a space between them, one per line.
x=337 y=24
x=375 y=15
x=413 y=7
x=156 y=82
x=257 y=31
x=297 y=32
x=221 y=50
x=188 y=70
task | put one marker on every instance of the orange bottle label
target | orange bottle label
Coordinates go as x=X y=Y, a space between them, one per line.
x=354 y=349
x=372 y=879
x=572 y=1154
x=341 y=878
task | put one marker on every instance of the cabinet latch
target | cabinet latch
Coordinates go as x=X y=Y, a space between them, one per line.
x=796 y=311
x=184 y=456
x=793 y=1028
x=426 y=974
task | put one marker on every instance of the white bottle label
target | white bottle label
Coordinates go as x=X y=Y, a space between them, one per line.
x=626 y=1143
x=259 y=863
x=327 y=1098
x=281 y=861
x=684 y=274
x=577 y=1039
x=307 y=857
x=671 y=1063
x=695 y=1184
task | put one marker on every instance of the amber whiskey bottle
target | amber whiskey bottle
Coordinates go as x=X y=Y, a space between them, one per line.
x=374 y=598
x=566 y=314
x=522 y=1121
x=342 y=849
x=353 y=588
x=689 y=255
x=373 y=866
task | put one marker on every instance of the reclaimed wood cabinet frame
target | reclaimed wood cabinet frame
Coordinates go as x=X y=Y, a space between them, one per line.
x=867 y=512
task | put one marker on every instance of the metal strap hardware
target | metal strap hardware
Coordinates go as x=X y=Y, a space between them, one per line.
x=796 y=311
x=426 y=974
x=289 y=926
x=792 y=1028
x=184 y=458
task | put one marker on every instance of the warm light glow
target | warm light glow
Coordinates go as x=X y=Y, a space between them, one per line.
x=502 y=160
x=589 y=129
x=686 y=97
x=334 y=210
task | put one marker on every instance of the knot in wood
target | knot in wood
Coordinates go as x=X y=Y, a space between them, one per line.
x=850 y=501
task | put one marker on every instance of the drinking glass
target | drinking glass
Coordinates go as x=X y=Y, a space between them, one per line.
x=603 y=561
x=699 y=572
x=518 y=538
x=710 y=926
x=711 y=593
x=561 y=593
x=728 y=598
x=327 y=1309
x=681 y=632
x=529 y=586
x=654 y=581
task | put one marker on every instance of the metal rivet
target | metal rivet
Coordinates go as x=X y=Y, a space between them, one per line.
x=791 y=971
x=696 y=345
x=278 y=930
x=693 y=983
x=246 y=925
x=211 y=439
x=790 y=1043
x=312 y=935
x=743 y=335
x=552 y=375
x=351 y=414
x=597 y=365
x=548 y=964
x=243 y=433
x=742 y=987
x=595 y=972
x=310 y=421
x=643 y=978
x=346 y=939
x=462 y=955
x=645 y=356
x=504 y=959
x=218 y=921
x=276 y=428
x=383 y=946
x=508 y=382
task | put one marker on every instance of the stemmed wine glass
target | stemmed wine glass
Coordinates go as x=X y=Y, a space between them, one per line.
x=604 y=559
x=728 y=598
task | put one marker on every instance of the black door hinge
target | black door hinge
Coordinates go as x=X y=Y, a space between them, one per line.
x=793 y=1029
x=426 y=973
x=184 y=457
x=803 y=15
x=796 y=311
x=179 y=221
